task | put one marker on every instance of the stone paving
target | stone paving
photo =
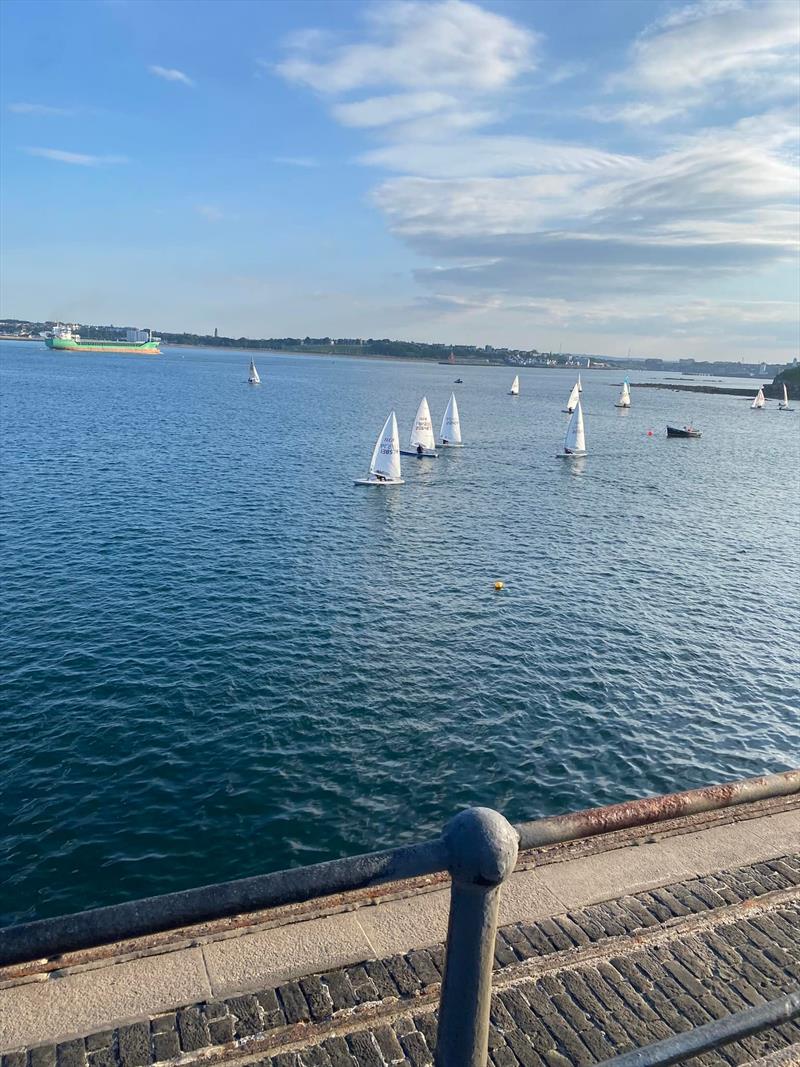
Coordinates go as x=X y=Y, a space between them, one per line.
x=571 y=989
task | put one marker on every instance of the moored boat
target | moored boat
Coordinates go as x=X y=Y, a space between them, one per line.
x=685 y=431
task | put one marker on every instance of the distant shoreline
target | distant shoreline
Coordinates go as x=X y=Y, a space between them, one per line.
x=701 y=388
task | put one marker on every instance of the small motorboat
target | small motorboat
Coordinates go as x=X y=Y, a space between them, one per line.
x=685 y=431
x=458 y=381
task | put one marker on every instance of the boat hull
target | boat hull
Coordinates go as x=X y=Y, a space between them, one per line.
x=419 y=455
x=450 y=444
x=673 y=431
x=571 y=455
x=60 y=344
x=374 y=481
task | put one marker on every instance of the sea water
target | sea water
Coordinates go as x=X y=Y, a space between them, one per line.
x=221 y=658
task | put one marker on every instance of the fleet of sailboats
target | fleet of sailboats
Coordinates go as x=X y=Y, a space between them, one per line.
x=253 y=378
x=624 y=400
x=759 y=401
x=384 y=467
x=450 y=432
x=421 y=443
x=515 y=386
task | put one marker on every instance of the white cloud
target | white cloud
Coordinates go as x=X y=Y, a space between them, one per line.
x=170 y=74
x=24 y=108
x=452 y=44
x=704 y=44
x=210 y=212
x=397 y=107
x=79 y=159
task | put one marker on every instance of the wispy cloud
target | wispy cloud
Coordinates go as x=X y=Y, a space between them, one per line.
x=296 y=161
x=79 y=159
x=170 y=74
x=24 y=108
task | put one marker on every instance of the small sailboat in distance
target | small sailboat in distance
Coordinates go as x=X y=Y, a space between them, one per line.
x=515 y=386
x=575 y=437
x=580 y=387
x=783 y=405
x=253 y=378
x=572 y=402
x=384 y=467
x=758 y=402
x=624 y=396
x=450 y=432
x=422 y=443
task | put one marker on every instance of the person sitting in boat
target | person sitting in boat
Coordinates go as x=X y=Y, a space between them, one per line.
x=420 y=450
x=445 y=441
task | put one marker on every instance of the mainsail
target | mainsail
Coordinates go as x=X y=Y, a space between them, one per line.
x=575 y=437
x=515 y=386
x=624 y=396
x=573 y=398
x=253 y=379
x=451 y=424
x=386 y=454
x=580 y=387
x=758 y=402
x=422 y=430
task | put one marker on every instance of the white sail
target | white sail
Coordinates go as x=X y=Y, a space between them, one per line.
x=451 y=424
x=575 y=437
x=580 y=387
x=573 y=398
x=515 y=386
x=422 y=430
x=253 y=378
x=758 y=402
x=624 y=396
x=785 y=402
x=386 y=454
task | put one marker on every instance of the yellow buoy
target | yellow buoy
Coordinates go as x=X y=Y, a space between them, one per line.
x=499 y=585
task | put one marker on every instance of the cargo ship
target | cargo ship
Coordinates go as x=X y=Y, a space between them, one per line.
x=65 y=339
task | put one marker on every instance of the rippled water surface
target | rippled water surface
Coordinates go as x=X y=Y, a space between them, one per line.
x=221 y=658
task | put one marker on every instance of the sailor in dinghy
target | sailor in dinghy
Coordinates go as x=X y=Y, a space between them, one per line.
x=253 y=378
x=450 y=432
x=384 y=467
x=422 y=443
x=575 y=437
x=572 y=402
x=783 y=405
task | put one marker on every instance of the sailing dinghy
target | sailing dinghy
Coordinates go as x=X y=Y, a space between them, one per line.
x=515 y=386
x=422 y=443
x=384 y=467
x=572 y=402
x=580 y=387
x=758 y=402
x=783 y=405
x=450 y=432
x=253 y=378
x=624 y=396
x=575 y=437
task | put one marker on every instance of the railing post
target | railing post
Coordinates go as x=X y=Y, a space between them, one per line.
x=482 y=851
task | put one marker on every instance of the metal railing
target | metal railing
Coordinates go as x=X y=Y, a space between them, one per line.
x=479 y=851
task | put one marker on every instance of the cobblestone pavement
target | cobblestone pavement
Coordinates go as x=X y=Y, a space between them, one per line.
x=573 y=989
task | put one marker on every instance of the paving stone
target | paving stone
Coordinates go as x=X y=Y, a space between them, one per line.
x=71 y=1054
x=416 y=1049
x=523 y=1050
x=215 y=1009
x=43 y=1056
x=319 y=999
x=364 y=1049
x=553 y=932
x=339 y=989
x=246 y=1012
x=193 y=1030
x=362 y=985
x=315 y=1057
x=164 y=1022
x=575 y=934
x=285 y=1059
x=101 y=1039
x=402 y=975
x=102 y=1057
x=381 y=979
x=388 y=1045
x=294 y=1003
x=338 y=1052
x=15 y=1059
x=165 y=1045
x=504 y=954
x=502 y=1056
x=134 y=1045
x=428 y=1026
x=221 y=1030
x=270 y=1009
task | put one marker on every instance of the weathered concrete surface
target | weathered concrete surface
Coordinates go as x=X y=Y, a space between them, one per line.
x=564 y=882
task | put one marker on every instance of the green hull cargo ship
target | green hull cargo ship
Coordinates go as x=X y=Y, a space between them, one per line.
x=65 y=340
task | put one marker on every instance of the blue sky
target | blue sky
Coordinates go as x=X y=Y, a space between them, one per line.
x=591 y=175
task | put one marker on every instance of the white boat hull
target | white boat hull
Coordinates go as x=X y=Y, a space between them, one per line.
x=425 y=454
x=377 y=481
x=571 y=455
x=450 y=444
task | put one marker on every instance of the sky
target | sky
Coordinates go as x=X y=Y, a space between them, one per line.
x=592 y=176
